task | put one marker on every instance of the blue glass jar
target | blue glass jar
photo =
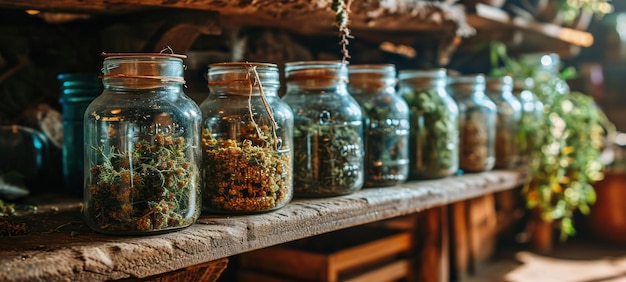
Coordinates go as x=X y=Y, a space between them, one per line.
x=77 y=91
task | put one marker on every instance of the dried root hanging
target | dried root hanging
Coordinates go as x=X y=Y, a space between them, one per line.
x=342 y=12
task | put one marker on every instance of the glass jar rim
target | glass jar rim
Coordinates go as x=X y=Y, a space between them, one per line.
x=426 y=73
x=142 y=55
x=371 y=66
x=313 y=63
x=475 y=78
x=237 y=64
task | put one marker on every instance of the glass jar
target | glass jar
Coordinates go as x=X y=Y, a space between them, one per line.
x=477 y=123
x=434 y=119
x=24 y=161
x=247 y=134
x=328 y=133
x=547 y=77
x=385 y=124
x=532 y=117
x=77 y=91
x=500 y=90
x=142 y=147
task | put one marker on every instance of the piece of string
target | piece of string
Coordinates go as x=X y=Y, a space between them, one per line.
x=160 y=78
x=257 y=80
x=167 y=48
x=315 y=77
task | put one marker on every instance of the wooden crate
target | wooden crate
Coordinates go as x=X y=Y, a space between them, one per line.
x=355 y=254
x=203 y=272
x=473 y=235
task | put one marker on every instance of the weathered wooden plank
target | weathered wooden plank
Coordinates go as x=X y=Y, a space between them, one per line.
x=396 y=15
x=460 y=259
x=431 y=245
x=60 y=247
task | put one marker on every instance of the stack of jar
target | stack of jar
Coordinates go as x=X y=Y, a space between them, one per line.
x=153 y=157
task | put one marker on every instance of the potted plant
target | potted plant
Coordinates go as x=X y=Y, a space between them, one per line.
x=574 y=13
x=566 y=159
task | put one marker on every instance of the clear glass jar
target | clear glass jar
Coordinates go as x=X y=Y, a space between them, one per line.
x=500 y=90
x=477 y=122
x=328 y=133
x=77 y=91
x=434 y=119
x=532 y=117
x=547 y=78
x=142 y=147
x=247 y=140
x=385 y=124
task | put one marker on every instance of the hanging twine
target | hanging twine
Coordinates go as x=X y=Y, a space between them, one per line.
x=160 y=78
x=257 y=80
x=342 y=13
x=252 y=81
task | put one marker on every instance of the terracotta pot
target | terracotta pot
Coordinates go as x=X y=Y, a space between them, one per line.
x=607 y=219
x=542 y=233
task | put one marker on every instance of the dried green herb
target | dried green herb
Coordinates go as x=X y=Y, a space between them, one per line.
x=9 y=228
x=328 y=159
x=385 y=138
x=245 y=176
x=433 y=135
x=151 y=187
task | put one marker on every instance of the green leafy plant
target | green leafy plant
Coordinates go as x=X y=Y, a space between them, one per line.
x=566 y=159
x=571 y=9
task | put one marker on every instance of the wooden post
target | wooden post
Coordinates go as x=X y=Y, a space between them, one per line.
x=459 y=240
x=431 y=245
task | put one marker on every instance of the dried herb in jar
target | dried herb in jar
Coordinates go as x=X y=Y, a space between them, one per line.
x=506 y=150
x=145 y=189
x=386 y=154
x=474 y=145
x=247 y=176
x=327 y=159
x=433 y=134
x=246 y=140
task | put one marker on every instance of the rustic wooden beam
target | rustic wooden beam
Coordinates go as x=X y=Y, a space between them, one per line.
x=396 y=15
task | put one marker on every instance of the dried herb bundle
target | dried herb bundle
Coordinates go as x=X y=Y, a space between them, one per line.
x=342 y=13
x=151 y=187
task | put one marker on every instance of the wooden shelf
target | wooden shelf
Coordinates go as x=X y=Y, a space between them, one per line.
x=526 y=34
x=299 y=15
x=399 y=19
x=59 y=246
